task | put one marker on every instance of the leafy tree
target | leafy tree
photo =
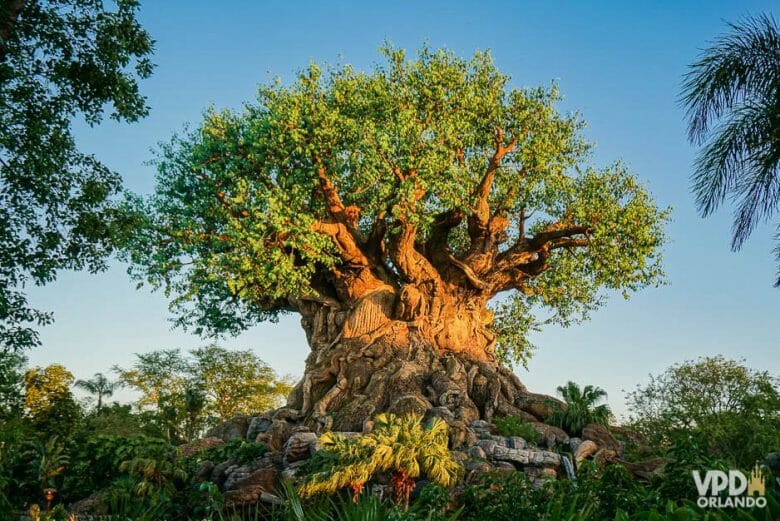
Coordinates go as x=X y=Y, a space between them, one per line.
x=48 y=401
x=59 y=60
x=734 y=410
x=237 y=382
x=49 y=461
x=401 y=446
x=157 y=375
x=580 y=407
x=733 y=99
x=11 y=384
x=393 y=205
x=99 y=386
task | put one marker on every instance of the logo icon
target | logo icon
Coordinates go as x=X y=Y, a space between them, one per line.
x=719 y=489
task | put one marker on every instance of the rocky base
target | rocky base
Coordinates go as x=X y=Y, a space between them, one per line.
x=476 y=446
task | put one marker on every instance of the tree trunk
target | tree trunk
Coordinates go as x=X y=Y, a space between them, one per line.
x=404 y=351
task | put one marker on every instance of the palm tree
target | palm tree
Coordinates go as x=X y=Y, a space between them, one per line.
x=580 y=408
x=732 y=97
x=99 y=386
x=401 y=446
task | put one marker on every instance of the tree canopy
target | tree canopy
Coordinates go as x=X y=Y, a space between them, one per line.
x=59 y=60
x=427 y=175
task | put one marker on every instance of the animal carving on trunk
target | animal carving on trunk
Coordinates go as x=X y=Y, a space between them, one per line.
x=417 y=217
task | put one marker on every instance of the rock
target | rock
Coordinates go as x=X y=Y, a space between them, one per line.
x=604 y=457
x=603 y=438
x=516 y=442
x=234 y=474
x=539 y=458
x=368 y=426
x=276 y=435
x=574 y=443
x=773 y=462
x=90 y=506
x=460 y=434
x=645 y=470
x=264 y=478
x=459 y=456
x=219 y=473
x=487 y=445
x=190 y=449
x=298 y=446
x=550 y=434
x=257 y=425
x=480 y=425
x=291 y=471
x=233 y=429
x=249 y=496
x=540 y=405
x=534 y=473
x=477 y=452
x=442 y=413
x=204 y=471
x=585 y=449
x=504 y=467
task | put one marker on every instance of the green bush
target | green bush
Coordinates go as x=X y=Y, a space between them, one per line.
x=514 y=426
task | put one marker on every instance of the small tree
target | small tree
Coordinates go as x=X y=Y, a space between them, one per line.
x=581 y=407
x=401 y=446
x=99 y=386
x=733 y=409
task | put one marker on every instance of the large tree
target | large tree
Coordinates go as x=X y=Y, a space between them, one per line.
x=388 y=209
x=732 y=94
x=59 y=60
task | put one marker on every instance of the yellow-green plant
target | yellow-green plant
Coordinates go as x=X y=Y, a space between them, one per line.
x=402 y=446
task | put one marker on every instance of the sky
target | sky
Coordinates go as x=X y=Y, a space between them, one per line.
x=619 y=64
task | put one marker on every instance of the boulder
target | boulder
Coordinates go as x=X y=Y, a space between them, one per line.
x=644 y=470
x=585 y=449
x=219 y=473
x=604 y=457
x=190 y=449
x=539 y=405
x=574 y=443
x=265 y=478
x=602 y=437
x=276 y=435
x=299 y=446
x=257 y=425
x=233 y=429
x=550 y=434
x=477 y=452
x=234 y=474
x=516 y=442
x=204 y=471
x=537 y=458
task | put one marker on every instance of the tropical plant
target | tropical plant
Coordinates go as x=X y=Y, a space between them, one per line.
x=99 y=386
x=515 y=426
x=399 y=445
x=49 y=460
x=732 y=95
x=581 y=407
x=154 y=477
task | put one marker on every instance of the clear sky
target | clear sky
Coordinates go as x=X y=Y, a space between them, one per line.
x=618 y=63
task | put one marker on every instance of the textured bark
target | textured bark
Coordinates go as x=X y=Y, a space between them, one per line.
x=402 y=352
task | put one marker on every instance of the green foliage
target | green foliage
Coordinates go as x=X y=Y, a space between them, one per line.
x=99 y=386
x=241 y=452
x=11 y=384
x=230 y=235
x=514 y=426
x=212 y=384
x=732 y=94
x=59 y=60
x=48 y=401
x=734 y=411
x=398 y=445
x=580 y=408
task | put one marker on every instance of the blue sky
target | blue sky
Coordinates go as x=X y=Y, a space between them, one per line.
x=618 y=63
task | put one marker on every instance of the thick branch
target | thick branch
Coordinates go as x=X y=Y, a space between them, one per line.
x=478 y=221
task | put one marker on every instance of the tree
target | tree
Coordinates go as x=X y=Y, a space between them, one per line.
x=579 y=408
x=48 y=401
x=11 y=384
x=389 y=209
x=734 y=409
x=99 y=386
x=732 y=95
x=237 y=382
x=59 y=59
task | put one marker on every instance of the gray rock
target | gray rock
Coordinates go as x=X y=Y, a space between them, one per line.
x=233 y=429
x=516 y=442
x=487 y=445
x=574 y=443
x=257 y=425
x=235 y=474
x=479 y=425
x=538 y=458
x=298 y=446
x=477 y=452
x=204 y=471
x=220 y=472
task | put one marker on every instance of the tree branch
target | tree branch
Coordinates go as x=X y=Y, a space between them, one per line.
x=478 y=221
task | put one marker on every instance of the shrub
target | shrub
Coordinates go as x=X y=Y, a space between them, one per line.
x=514 y=426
